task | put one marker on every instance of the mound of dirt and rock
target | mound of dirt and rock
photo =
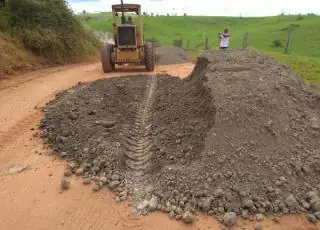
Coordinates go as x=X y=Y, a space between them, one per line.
x=239 y=137
x=167 y=55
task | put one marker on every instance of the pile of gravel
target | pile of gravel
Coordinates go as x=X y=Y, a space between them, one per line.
x=239 y=137
x=167 y=55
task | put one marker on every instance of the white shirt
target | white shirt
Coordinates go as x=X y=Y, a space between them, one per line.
x=224 y=41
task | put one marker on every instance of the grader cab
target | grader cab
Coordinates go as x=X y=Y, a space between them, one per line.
x=129 y=45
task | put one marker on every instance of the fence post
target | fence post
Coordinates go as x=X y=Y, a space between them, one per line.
x=288 y=42
x=206 y=45
x=245 y=40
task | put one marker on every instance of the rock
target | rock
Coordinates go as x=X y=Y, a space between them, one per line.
x=67 y=172
x=79 y=171
x=206 y=203
x=96 y=188
x=103 y=179
x=230 y=219
x=317 y=214
x=221 y=210
x=218 y=193
x=187 y=217
x=245 y=214
x=114 y=184
x=316 y=206
x=270 y=189
x=73 y=116
x=109 y=124
x=96 y=169
x=258 y=226
x=143 y=205
x=73 y=165
x=153 y=203
x=276 y=219
x=311 y=218
x=242 y=193
x=171 y=215
x=312 y=194
x=178 y=217
x=86 y=181
x=305 y=205
x=63 y=154
x=248 y=203
x=179 y=211
x=65 y=183
x=115 y=177
x=259 y=217
x=92 y=112
x=291 y=202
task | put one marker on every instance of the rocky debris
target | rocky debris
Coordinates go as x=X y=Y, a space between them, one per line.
x=218 y=193
x=258 y=226
x=65 y=183
x=236 y=136
x=63 y=154
x=67 y=172
x=230 y=218
x=311 y=218
x=276 y=219
x=188 y=217
x=113 y=184
x=79 y=171
x=153 y=203
x=259 y=217
x=317 y=214
x=96 y=188
x=291 y=201
x=315 y=204
x=86 y=181
x=171 y=215
x=245 y=214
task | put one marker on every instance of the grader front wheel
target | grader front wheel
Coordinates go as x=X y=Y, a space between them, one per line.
x=106 y=61
x=149 y=56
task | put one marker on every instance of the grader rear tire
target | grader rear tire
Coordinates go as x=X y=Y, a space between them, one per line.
x=149 y=56
x=106 y=61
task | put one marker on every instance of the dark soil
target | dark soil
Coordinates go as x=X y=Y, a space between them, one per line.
x=241 y=134
x=171 y=55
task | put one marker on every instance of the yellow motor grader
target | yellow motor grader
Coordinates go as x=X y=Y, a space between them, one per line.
x=129 y=45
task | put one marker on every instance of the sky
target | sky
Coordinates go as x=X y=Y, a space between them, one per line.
x=207 y=7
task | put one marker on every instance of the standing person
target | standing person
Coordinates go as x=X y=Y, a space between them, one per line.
x=224 y=39
x=130 y=21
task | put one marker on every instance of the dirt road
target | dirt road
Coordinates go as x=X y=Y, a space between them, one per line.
x=30 y=175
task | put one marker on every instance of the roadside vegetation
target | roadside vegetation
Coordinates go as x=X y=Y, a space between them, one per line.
x=266 y=34
x=36 y=33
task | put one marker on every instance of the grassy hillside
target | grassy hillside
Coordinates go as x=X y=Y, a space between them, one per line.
x=304 y=51
x=34 y=33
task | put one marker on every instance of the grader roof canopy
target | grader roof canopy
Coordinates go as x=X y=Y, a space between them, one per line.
x=126 y=8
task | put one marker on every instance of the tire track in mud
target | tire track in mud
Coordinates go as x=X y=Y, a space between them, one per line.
x=138 y=142
x=138 y=139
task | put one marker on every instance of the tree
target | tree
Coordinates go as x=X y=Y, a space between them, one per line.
x=152 y=14
x=145 y=14
x=184 y=14
x=84 y=12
